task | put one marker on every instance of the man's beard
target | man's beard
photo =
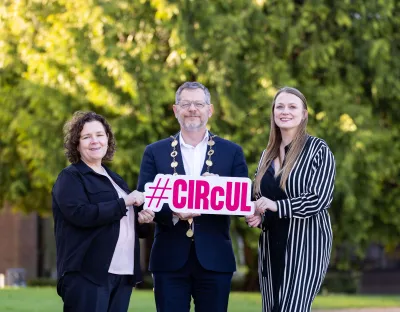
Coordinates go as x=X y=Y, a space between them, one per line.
x=192 y=126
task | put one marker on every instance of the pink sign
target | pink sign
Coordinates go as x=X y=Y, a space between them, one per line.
x=204 y=195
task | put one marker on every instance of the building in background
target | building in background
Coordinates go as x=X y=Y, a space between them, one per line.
x=27 y=241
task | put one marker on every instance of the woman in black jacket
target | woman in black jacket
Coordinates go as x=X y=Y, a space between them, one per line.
x=96 y=222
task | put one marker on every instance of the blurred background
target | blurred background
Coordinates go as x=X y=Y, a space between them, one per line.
x=125 y=59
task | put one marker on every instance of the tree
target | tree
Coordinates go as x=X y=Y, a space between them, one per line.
x=125 y=60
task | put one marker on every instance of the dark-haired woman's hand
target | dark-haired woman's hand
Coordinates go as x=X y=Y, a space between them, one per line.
x=135 y=198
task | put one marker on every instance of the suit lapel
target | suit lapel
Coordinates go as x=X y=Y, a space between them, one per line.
x=181 y=168
x=206 y=156
x=118 y=180
x=204 y=169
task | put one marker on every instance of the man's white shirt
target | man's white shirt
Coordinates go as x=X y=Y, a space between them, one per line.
x=193 y=158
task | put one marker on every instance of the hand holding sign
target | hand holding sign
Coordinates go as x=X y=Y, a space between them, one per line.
x=145 y=216
x=264 y=203
x=186 y=216
x=254 y=220
x=200 y=195
x=134 y=198
x=209 y=174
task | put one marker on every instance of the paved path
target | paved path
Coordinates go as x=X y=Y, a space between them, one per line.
x=362 y=310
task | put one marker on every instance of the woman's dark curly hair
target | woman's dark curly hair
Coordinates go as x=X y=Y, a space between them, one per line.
x=72 y=133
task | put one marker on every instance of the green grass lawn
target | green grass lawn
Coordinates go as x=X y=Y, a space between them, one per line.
x=47 y=300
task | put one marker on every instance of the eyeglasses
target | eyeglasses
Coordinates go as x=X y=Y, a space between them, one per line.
x=187 y=104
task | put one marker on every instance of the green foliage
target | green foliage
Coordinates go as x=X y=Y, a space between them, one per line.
x=125 y=59
x=42 y=282
x=337 y=282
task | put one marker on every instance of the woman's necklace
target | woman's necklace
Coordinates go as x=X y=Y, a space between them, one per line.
x=174 y=152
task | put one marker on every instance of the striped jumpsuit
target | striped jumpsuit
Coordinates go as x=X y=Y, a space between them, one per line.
x=296 y=241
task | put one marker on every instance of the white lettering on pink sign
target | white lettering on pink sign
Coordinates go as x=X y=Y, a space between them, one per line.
x=204 y=195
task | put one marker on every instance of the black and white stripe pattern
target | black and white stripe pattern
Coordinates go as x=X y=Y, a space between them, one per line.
x=310 y=191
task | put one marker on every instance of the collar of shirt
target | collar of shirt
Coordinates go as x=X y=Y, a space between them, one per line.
x=194 y=156
x=184 y=144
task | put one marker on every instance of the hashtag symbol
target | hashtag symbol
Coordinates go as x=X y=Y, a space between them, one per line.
x=156 y=188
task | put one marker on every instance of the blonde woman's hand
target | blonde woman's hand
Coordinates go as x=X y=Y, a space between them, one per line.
x=264 y=203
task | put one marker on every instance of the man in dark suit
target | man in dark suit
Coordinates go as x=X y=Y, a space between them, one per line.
x=192 y=254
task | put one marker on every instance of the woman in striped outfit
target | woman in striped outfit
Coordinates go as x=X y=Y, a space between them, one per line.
x=293 y=186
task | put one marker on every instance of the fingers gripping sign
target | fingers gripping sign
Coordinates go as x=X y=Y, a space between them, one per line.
x=201 y=195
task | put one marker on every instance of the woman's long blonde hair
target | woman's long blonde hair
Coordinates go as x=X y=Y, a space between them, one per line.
x=275 y=139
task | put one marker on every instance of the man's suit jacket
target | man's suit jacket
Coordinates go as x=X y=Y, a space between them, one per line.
x=87 y=213
x=213 y=244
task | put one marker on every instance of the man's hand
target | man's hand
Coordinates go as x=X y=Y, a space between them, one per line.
x=253 y=220
x=146 y=216
x=186 y=216
x=208 y=174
